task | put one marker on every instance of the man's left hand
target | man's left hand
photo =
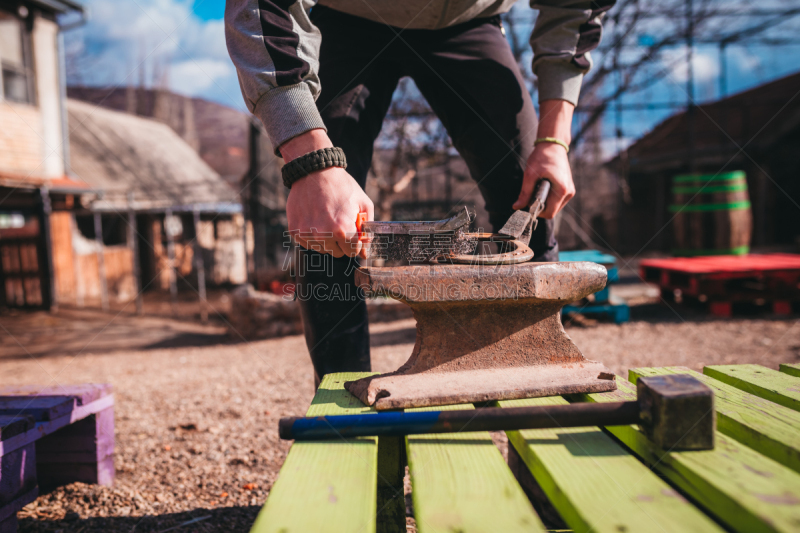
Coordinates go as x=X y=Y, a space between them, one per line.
x=548 y=160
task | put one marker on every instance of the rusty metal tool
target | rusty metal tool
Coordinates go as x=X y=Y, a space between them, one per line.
x=676 y=412
x=521 y=224
x=514 y=236
x=484 y=332
x=418 y=241
x=446 y=241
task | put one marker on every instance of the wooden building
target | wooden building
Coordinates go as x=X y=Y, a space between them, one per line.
x=234 y=145
x=756 y=131
x=159 y=216
x=34 y=152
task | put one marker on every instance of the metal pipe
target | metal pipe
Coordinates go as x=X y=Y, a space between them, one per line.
x=101 y=264
x=173 y=277
x=397 y=423
x=690 y=111
x=723 y=70
x=199 y=265
x=133 y=245
x=49 y=300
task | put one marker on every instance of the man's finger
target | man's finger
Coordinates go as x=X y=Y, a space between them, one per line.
x=344 y=242
x=555 y=201
x=336 y=250
x=525 y=194
x=350 y=245
x=363 y=251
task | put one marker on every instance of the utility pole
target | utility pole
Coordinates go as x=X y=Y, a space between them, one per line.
x=690 y=106
x=723 y=69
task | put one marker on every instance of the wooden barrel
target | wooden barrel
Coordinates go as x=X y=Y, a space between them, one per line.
x=711 y=214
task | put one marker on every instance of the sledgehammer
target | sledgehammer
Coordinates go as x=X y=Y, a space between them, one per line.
x=675 y=411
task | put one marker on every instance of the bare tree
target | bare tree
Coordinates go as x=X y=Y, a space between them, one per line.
x=638 y=34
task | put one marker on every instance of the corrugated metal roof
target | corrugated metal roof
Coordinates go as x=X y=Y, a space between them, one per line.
x=119 y=154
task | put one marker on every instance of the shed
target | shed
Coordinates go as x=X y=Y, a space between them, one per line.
x=154 y=194
x=757 y=131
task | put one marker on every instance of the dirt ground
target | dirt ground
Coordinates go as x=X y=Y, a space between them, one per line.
x=197 y=414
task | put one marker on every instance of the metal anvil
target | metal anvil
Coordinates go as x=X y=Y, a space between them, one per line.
x=485 y=333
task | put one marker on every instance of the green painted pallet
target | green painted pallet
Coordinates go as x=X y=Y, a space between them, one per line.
x=765 y=382
x=596 y=485
x=792 y=370
x=460 y=483
x=326 y=486
x=740 y=487
x=768 y=428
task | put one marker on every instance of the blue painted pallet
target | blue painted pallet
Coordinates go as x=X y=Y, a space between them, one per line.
x=615 y=308
x=595 y=256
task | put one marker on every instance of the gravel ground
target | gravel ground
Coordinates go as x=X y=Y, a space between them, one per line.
x=196 y=416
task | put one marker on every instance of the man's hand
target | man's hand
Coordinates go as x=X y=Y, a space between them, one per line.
x=322 y=207
x=549 y=160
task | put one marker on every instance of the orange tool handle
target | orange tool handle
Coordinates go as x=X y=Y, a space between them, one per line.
x=360 y=219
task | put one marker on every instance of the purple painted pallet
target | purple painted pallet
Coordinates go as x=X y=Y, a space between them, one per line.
x=50 y=436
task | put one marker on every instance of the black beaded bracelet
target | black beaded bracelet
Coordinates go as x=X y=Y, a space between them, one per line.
x=311 y=162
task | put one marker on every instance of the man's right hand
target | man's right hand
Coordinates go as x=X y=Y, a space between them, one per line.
x=322 y=207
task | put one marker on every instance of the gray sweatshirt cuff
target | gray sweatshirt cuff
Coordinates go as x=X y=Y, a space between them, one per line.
x=559 y=81
x=287 y=112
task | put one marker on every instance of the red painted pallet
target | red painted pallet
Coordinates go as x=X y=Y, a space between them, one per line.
x=723 y=280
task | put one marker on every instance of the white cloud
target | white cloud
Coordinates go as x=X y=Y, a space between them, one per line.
x=195 y=76
x=124 y=42
x=705 y=66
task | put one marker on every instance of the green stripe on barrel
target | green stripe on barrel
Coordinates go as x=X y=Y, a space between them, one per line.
x=736 y=175
x=730 y=206
x=711 y=214
x=711 y=188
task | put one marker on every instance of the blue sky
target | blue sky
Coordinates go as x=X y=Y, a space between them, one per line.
x=209 y=9
x=180 y=44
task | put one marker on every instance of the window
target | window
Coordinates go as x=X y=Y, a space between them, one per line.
x=114 y=226
x=15 y=59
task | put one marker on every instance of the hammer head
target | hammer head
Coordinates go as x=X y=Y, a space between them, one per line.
x=677 y=412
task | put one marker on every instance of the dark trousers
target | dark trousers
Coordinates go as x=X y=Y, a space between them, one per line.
x=470 y=78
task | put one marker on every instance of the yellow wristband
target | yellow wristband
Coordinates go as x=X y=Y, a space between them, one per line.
x=551 y=140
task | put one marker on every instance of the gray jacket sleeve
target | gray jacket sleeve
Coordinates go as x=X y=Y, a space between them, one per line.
x=564 y=34
x=275 y=46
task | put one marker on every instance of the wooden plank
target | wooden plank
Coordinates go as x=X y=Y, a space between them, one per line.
x=740 y=487
x=41 y=408
x=764 y=382
x=326 y=486
x=597 y=485
x=11 y=425
x=82 y=451
x=792 y=370
x=460 y=482
x=48 y=427
x=10 y=509
x=768 y=428
x=17 y=473
x=84 y=393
